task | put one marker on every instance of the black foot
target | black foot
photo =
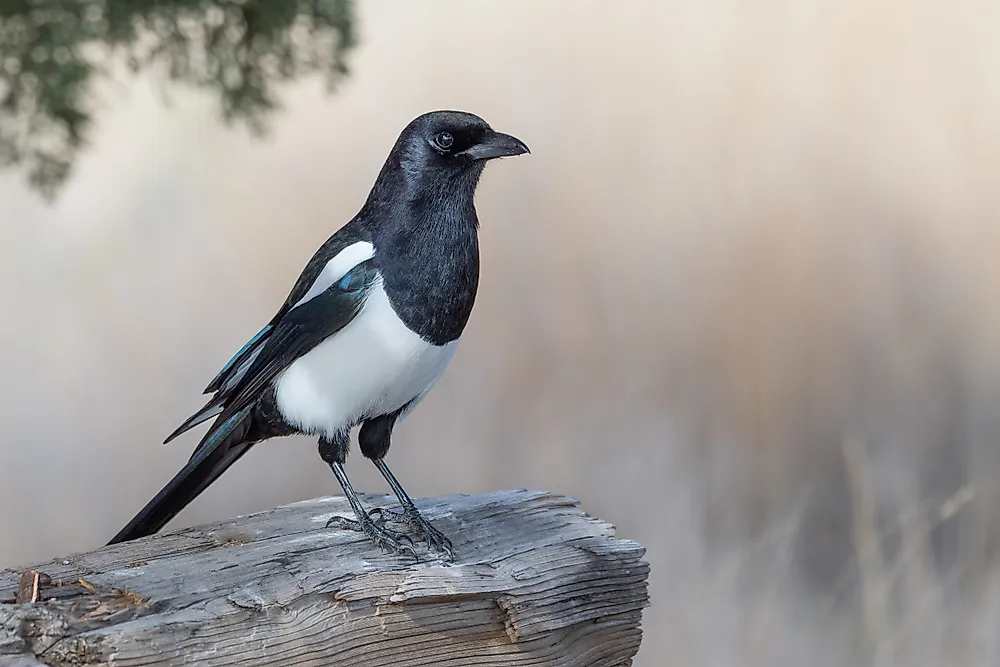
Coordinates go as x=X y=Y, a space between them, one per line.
x=387 y=540
x=418 y=524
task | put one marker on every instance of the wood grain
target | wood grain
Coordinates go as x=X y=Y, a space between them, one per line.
x=535 y=581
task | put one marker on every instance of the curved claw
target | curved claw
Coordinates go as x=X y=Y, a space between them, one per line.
x=386 y=540
x=404 y=536
x=374 y=525
x=381 y=516
x=434 y=537
x=344 y=523
x=393 y=544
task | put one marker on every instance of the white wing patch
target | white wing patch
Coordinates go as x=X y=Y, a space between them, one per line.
x=337 y=268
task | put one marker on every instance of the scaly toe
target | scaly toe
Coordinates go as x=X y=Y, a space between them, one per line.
x=390 y=541
x=344 y=523
x=382 y=516
x=434 y=537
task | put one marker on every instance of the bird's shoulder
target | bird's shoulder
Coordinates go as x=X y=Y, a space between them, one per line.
x=354 y=237
x=311 y=282
x=329 y=293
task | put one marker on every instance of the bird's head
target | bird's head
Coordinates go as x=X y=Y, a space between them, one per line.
x=445 y=145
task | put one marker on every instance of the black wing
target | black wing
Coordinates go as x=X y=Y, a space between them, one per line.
x=234 y=372
x=302 y=328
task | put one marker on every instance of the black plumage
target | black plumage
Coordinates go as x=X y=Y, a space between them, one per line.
x=365 y=331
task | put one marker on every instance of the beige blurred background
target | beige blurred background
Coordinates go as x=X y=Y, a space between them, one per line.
x=741 y=300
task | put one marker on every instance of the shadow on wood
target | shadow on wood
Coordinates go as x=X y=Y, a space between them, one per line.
x=535 y=582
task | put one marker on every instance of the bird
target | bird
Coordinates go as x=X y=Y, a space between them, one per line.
x=364 y=334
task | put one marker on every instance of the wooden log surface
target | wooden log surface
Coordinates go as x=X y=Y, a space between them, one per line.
x=535 y=581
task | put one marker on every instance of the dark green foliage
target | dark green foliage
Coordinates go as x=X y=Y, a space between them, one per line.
x=50 y=51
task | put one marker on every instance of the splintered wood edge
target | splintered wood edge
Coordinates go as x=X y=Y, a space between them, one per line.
x=535 y=581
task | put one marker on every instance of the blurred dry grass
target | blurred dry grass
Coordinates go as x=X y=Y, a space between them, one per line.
x=740 y=300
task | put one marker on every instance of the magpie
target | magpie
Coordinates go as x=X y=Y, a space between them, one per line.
x=363 y=336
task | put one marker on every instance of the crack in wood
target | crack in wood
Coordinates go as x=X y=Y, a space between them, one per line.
x=536 y=581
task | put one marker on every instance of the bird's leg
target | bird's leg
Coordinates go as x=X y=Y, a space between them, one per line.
x=385 y=539
x=409 y=515
x=374 y=438
x=334 y=452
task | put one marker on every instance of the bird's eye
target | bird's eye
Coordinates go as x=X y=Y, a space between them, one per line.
x=444 y=140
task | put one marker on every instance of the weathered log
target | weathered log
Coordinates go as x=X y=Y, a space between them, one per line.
x=535 y=581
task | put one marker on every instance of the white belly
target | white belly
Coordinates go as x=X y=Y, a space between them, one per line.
x=373 y=366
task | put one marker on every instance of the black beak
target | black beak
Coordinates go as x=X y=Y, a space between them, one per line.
x=496 y=144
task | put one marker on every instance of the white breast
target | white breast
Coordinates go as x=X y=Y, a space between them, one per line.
x=373 y=366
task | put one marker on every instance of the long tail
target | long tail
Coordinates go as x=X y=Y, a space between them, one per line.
x=221 y=447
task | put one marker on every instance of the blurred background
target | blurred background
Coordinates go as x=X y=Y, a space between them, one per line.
x=740 y=300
